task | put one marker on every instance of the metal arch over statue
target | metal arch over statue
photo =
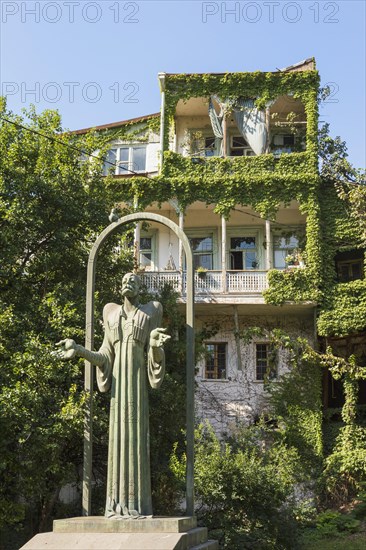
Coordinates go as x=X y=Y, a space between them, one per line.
x=129 y=329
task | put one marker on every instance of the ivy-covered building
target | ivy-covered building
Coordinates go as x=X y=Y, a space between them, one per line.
x=232 y=158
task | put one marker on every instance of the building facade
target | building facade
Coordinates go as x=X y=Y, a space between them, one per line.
x=232 y=159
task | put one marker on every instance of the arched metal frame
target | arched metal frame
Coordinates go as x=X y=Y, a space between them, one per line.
x=89 y=344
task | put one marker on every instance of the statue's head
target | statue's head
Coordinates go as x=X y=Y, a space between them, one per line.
x=131 y=285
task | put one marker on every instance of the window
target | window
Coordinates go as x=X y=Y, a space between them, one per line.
x=210 y=146
x=285 y=140
x=282 y=247
x=126 y=158
x=239 y=147
x=146 y=251
x=350 y=265
x=350 y=270
x=215 y=366
x=243 y=253
x=265 y=362
x=202 y=143
x=202 y=248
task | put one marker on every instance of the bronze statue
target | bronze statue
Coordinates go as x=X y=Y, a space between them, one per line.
x=130 y=329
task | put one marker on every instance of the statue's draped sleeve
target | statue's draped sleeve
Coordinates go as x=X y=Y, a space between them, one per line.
x=156 y=368
x=111 y=321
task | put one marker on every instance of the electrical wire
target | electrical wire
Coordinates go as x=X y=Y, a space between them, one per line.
x=82 y=151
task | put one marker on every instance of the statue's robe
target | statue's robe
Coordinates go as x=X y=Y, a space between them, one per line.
x=126 y=371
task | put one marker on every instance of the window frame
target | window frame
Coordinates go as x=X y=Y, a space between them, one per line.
x=216 y=369
x=201 y=152
x=350 y=263
x=199 y=233
x=247 y=150
x=245 y=232
x=266 y=378
x=152 y=234
x=118 y=171
x=289 y=250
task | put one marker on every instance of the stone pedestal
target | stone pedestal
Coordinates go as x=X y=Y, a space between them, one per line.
x=99 y=533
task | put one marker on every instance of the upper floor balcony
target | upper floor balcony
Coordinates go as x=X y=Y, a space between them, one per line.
x=220 y=117
x=231 y=258
x=212 y=286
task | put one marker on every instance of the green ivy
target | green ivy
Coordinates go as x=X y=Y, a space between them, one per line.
x=134 y=131
x=346 y=310
x=260 y=86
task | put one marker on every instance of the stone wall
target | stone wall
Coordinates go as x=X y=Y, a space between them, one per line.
x=240 y=398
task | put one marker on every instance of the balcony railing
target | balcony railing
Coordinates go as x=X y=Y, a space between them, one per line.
x=209 y=282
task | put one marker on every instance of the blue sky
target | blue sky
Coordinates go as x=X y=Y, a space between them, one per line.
x=97 y=62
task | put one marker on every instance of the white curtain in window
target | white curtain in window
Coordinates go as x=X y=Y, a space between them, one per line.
x=216 y=123
x=251 y=123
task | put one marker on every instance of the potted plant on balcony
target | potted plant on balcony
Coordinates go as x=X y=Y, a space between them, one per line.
x=201 y=272
x=294 y=259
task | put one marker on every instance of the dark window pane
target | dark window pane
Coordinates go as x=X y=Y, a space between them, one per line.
x=215 y=364
x=350 y=271
x=202 y=260
x=266 y=367
x=356 y=271
x=236 y=260
x=236 y=152
x=239 y=141
x=289 y=140
x=145 y=243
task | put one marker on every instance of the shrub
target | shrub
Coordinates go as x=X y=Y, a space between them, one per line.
x=243 y=495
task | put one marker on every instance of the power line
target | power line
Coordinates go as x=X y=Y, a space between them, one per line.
x=82 y=151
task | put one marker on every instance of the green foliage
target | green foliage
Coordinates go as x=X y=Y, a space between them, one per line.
x=260 y=181
x=52 y=206
x=332 y=530
x=331 y=522
x=134 y=131
x=345 y=312
x=242 y=493
x=292 y=285
x=261 y=86
x=345 y=467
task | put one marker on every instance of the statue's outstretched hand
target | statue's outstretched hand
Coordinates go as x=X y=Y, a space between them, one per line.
x=68 y=349
x=158 y=337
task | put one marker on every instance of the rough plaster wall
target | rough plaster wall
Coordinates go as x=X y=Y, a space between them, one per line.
x=240 y=398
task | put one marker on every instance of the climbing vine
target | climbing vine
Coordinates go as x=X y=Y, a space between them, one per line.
x=132 y=131
x=260 y=86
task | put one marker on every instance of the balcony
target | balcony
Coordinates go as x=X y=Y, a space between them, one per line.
x=211 y=286
x=213 y=170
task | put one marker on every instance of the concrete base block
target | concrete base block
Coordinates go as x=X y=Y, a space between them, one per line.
x=99 y=524
x=105 y=541
x=98 y=533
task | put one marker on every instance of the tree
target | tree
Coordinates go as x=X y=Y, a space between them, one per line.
x=349 y=182
x=52 y=206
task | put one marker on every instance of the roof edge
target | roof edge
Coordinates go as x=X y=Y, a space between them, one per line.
x=115 y=124
x=307 y=64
